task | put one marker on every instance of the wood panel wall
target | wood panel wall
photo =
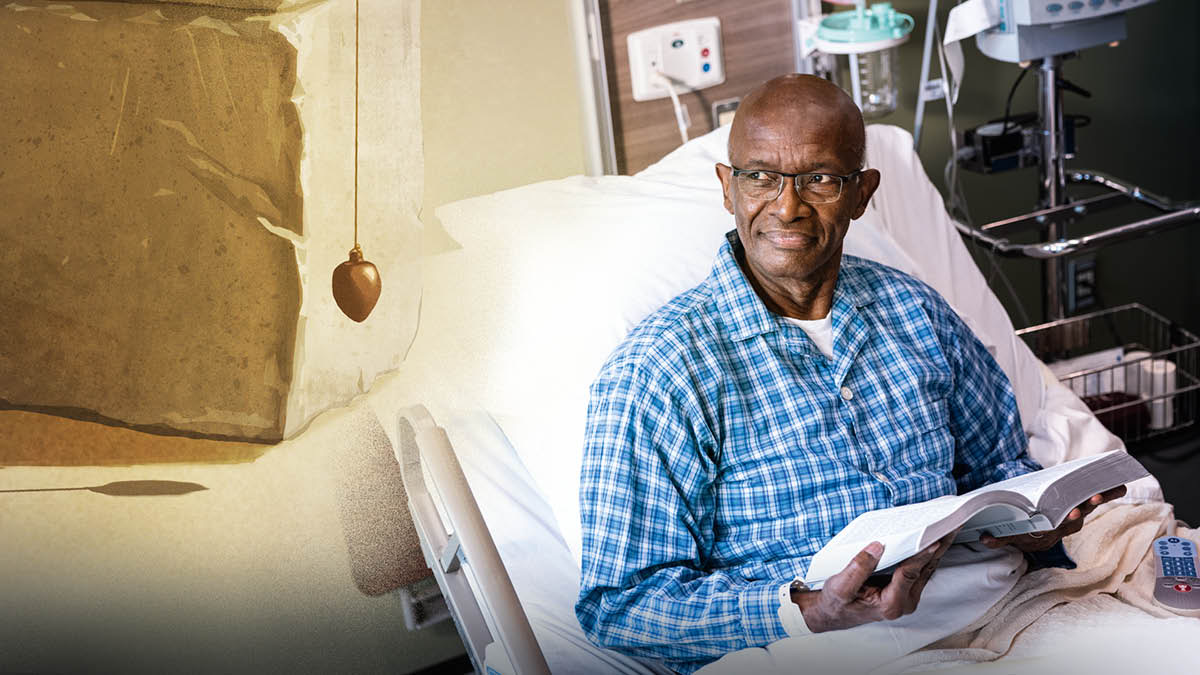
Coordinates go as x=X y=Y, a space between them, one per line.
x=757 y=39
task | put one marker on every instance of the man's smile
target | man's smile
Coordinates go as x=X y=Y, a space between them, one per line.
x=790 y=238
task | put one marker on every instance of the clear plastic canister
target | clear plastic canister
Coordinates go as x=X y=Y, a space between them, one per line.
x=870 y=78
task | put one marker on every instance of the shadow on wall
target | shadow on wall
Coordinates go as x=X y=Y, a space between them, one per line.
x=129 y=488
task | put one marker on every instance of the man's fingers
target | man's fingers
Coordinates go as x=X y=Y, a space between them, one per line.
x=844 y=585
x=1070 y=528
x=1115 y=493
x=896 y=598
x=944 y=545
x=1100 y=498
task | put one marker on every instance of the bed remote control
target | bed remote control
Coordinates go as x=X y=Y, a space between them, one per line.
x=1177 y=586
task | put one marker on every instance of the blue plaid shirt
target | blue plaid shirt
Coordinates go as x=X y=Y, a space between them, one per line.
x=723 y=450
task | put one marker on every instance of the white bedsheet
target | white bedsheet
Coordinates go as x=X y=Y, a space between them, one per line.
x=543 y=573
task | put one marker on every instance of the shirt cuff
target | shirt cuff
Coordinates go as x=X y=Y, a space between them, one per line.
x=790 y=615
x=760 y=613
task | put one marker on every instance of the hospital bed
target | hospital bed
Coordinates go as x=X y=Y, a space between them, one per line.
x=516 y=323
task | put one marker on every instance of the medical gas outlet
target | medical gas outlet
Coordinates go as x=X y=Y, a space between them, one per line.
x=688 y=53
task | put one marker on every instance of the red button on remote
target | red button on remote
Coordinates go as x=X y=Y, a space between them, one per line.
x=704 y=52
x=1183 y=588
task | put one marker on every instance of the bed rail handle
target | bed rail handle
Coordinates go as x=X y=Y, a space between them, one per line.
x=477 y=546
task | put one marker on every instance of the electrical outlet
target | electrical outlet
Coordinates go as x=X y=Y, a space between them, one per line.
x=687 y=52
x=723 y=111
x=1081 y=284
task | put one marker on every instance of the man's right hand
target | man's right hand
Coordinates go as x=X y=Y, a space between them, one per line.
x=846 y=601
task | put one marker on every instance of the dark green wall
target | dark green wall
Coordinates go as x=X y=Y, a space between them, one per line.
x=1145 y=113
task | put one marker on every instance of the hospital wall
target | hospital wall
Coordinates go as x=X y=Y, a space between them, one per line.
x=499 y=100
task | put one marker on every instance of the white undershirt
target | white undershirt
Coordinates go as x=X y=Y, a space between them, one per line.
x=820 y=331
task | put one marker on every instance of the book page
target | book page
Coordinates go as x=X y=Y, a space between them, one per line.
x=1032 y=485
x=898 y=529
x=897 y=520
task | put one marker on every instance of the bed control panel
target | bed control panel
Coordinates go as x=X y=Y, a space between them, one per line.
x=1176 y=587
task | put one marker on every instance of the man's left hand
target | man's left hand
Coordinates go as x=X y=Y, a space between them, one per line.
x=1040 y=541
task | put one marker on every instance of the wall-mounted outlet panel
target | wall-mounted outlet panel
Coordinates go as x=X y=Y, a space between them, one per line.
x=688 y=52
x=1081 y=283
x=724 y=110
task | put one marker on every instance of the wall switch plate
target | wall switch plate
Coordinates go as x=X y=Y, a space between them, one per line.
x=687 y=52
x=724 y=110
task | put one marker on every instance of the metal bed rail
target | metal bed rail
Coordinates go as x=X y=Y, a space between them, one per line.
x=464 y=558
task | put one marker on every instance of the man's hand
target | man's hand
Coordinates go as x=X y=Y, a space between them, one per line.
x=1040 y=541
x=845 y=601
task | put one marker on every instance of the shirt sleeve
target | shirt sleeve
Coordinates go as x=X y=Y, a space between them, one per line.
x=647 y=508
x=990 y=444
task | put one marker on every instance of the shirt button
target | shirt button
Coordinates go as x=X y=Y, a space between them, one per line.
x=882 y=478
x=847 y=394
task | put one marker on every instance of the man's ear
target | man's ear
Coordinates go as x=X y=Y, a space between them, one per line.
x=725 y=173
x=866 y=185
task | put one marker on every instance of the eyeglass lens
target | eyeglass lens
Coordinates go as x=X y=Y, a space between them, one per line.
x=815 y=188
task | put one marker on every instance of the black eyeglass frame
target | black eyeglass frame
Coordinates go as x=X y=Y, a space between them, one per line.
x=796 y=184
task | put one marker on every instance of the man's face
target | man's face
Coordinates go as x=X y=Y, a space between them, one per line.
x=789 y=238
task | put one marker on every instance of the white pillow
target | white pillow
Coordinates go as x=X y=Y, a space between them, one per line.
x=549 y=280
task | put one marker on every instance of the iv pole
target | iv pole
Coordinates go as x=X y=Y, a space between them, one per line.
x=1054 y=210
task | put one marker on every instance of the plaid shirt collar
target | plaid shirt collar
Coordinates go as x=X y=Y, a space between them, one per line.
x=747 y=316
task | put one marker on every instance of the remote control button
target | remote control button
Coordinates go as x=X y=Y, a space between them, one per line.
x=1174 y=540
x=1183 y=588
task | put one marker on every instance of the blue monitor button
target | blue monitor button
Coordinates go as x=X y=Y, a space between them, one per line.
x=1054 y=7
x=1075 y=6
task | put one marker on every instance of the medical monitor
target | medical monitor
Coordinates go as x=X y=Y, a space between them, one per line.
x=1034 y=29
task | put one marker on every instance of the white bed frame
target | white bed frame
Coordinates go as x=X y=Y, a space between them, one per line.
x=461 y=552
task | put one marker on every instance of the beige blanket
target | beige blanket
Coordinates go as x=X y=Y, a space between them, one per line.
x=1115 y=576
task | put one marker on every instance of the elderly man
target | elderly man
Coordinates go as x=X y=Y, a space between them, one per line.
x=742 y=425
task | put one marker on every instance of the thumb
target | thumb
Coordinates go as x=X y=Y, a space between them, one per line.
x=844 y=585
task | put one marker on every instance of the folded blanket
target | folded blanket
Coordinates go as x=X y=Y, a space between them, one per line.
x=1115 y=574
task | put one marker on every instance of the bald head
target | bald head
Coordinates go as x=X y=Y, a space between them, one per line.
x=794 y=181
x=799 y=109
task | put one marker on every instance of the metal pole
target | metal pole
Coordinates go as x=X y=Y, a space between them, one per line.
x=855 y=81
x=1052 y=188
x=930 y=22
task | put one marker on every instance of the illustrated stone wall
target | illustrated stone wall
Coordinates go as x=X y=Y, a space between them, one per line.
x=178 y=185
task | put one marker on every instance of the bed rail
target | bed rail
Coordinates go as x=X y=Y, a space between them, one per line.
x=464 y=559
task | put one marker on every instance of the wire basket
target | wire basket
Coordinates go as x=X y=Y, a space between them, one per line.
x=1137 y=371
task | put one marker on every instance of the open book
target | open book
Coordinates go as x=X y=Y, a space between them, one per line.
x=1033 y=502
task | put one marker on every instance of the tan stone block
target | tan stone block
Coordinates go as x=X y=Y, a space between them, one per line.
x=179 y=186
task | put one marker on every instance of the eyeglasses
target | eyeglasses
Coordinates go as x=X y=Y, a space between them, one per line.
x=814 y=188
